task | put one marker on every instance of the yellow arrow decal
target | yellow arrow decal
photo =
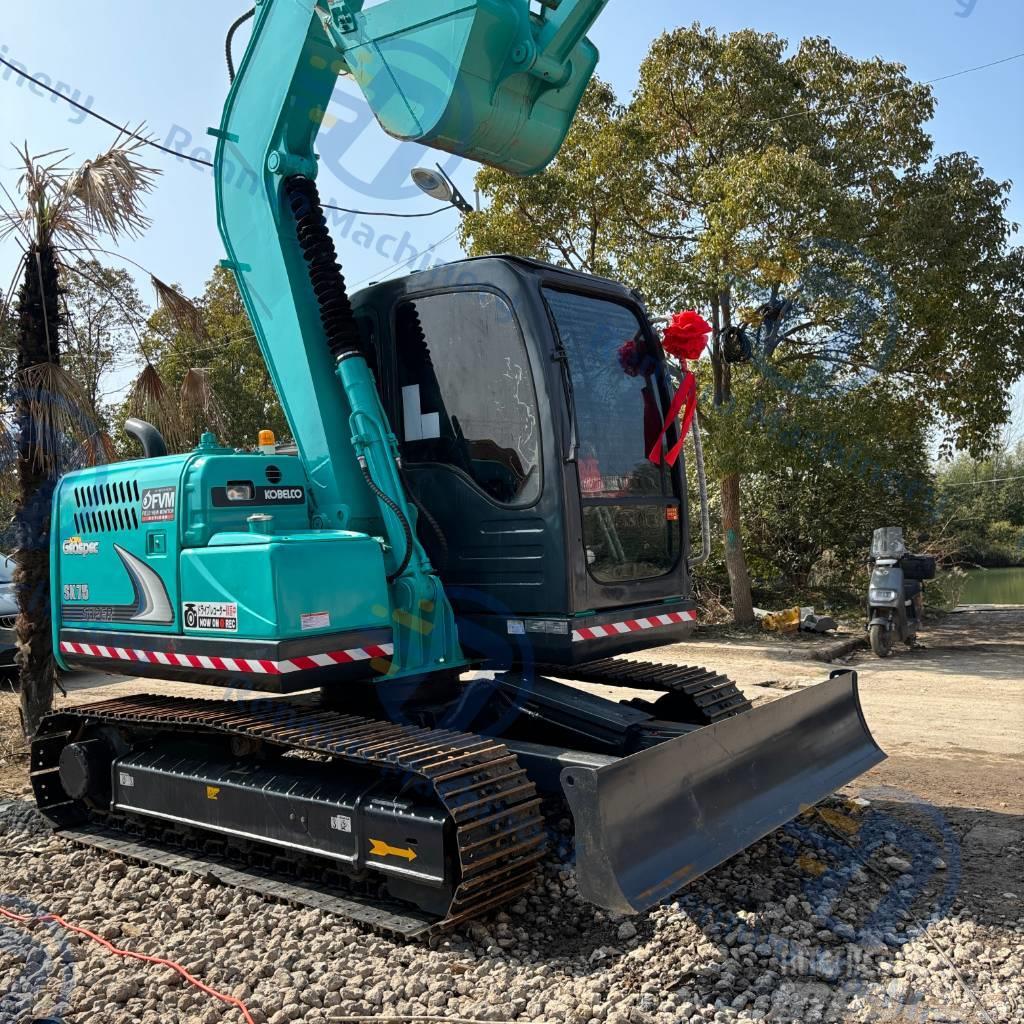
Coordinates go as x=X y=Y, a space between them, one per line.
x=378 y=848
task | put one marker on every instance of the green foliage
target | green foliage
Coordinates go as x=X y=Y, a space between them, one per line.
x=741 y=172
x=103 y=314
x=983 y=503
x=229 y=355
x=818 y=477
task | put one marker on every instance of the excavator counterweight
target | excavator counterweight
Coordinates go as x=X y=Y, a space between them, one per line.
x=474 y=519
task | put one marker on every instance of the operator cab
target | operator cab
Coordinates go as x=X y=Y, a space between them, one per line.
x=526 y=399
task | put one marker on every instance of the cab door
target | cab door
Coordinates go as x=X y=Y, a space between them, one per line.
x=632 y=512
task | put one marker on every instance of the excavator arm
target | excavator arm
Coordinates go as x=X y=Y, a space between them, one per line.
x=487 y=79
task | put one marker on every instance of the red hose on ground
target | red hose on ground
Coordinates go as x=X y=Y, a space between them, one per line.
x=28 y=919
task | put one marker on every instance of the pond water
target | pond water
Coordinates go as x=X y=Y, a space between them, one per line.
x=994 y=586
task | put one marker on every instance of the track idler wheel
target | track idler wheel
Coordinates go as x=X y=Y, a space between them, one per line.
x=85 y=771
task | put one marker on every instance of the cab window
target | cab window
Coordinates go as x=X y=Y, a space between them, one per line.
x=467 y=395
x=632 y=513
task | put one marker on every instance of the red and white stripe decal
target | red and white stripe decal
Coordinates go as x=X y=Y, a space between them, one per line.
x=632 y=626
x=249 y=665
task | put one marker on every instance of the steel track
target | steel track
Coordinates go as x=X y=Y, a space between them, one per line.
x=497 y=825
x=698 y=697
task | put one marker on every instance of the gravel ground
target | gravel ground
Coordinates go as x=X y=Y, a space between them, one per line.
x=805 y=926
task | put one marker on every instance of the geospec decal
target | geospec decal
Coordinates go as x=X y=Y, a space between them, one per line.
x=211 y=615
x=158 y=504
x=150 y=601
x=77 y=546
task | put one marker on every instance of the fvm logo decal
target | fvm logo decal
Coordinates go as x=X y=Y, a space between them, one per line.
x=77 y=546
x=158 y=504
x=221 y=616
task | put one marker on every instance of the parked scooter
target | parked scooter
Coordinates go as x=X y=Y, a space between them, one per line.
x=896 y=592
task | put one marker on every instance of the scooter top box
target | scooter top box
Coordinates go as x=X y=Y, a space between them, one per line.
x=918 y=567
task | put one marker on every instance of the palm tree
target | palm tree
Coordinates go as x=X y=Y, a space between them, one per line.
x=64 y=210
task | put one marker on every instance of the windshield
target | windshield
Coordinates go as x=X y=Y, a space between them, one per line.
x=6 y=569
x=632 y=513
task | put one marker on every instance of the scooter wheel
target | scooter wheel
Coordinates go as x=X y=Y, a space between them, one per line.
x=881 y=640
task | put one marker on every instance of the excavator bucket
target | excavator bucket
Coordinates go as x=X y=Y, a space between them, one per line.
x=485 y=79
x=651 y=823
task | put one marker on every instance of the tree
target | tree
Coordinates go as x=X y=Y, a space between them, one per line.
x=8 y=454
x=792 y=195
x=103 y=312
x=984 y=502
x=233 y=370
x=65 y=210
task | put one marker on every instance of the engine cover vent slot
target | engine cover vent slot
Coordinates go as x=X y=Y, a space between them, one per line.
x=107 y=507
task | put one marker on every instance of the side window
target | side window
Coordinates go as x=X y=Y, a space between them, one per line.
x=468 y=397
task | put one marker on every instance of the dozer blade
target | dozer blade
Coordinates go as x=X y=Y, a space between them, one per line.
x=651 y=823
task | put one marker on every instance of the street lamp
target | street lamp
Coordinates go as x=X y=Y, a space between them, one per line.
x=438 y=185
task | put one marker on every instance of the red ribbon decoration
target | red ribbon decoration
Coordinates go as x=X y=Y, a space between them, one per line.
x=685 y=396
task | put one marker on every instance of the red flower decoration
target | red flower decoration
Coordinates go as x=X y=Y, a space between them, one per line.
x=631 y=358
x=687 y=336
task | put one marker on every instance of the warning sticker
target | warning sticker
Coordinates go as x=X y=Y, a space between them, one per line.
x=158 y=504
x=556 y=627
x=315 y=620
x=211 y=615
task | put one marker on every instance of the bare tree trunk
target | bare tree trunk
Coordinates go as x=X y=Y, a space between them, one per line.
x=732 y=518
x=38 y=325
x=735 y=560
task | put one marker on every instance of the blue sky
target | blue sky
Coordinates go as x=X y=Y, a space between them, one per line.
x=163 y=64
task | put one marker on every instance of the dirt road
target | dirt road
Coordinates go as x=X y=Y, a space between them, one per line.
x=950 y=715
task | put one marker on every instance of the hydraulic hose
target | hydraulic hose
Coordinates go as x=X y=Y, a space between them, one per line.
x=406 y=528
x=324 y=270
x=231 y=38
x=428 y=518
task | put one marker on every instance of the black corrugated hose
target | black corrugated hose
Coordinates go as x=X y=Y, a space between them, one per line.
x=324 y=270
x=406 y=528
x=231 y=38
x=335 y=311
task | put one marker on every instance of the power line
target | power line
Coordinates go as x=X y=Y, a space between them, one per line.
x=146 y=140
x=890 y=92
x=382 y=274
x=978 y=483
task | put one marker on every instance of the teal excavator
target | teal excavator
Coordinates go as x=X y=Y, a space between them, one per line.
x=417 y=607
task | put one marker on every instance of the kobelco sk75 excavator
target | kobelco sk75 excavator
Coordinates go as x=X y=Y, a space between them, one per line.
x=474 y=523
